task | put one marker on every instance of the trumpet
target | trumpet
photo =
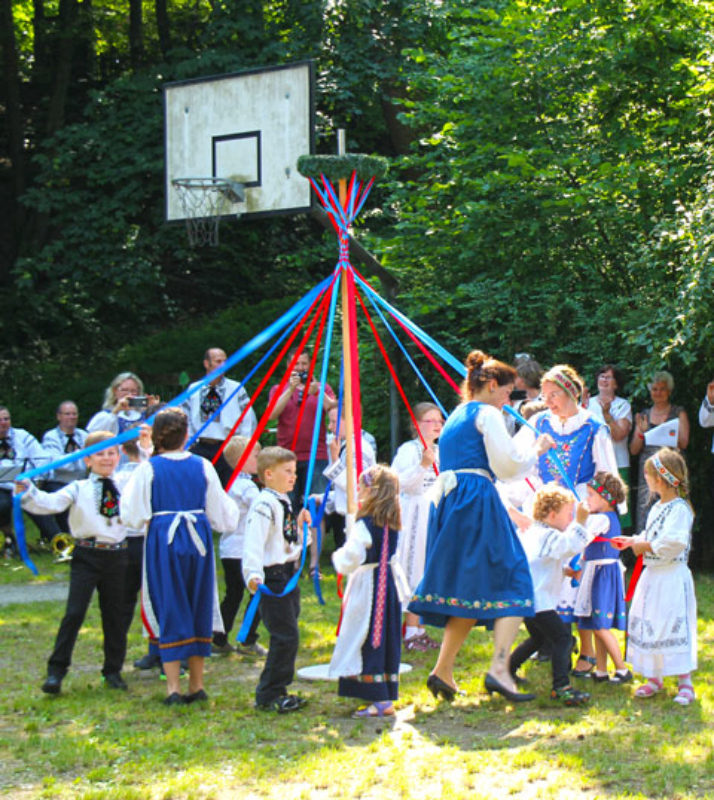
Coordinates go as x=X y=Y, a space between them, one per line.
x=62 y=545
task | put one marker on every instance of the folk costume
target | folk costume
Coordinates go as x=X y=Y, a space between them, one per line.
x=415 y=482
x=475 y=564
x=367 y=652
x=181 y=498
x=600 y=601
x=662 y=628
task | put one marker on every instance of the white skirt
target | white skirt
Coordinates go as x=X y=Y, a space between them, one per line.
x=662 y=628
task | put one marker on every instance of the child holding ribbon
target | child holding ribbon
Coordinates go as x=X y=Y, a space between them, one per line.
x=367 y=652
x=600 y=602
x=662 y=628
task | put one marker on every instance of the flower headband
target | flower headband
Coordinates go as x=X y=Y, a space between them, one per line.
x=601 y=490
x=367 y=478
x=564 y=382
x=664 y=473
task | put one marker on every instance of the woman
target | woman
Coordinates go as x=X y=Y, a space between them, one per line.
x=661 y=411
x=416 y=465
x=616 y=413
x=119 y=412
x=181 y=499
x=476 y=569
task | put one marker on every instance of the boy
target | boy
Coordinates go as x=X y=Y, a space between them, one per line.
x=244 y=491
x=554 y=538
x=271 y=555
x=99 y=561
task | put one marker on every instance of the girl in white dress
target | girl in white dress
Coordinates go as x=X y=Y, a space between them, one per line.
x=414 y=464
x=662 y=628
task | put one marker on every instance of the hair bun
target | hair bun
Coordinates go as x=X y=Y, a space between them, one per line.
x=476 y=359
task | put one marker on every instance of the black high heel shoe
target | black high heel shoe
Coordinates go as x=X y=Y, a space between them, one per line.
x=492 y=685
x=438 y=687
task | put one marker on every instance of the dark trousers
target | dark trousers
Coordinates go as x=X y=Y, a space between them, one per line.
x=46 y=524
x=132 y=577
x=280 y=617
x=546 y=627
x=92 y=569
x=235 y=588
x=208 y=451
x=317 y=485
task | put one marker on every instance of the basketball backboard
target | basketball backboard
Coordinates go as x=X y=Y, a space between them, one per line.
x=249 y=128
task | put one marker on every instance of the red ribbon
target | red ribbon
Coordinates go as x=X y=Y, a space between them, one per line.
x=636 y=572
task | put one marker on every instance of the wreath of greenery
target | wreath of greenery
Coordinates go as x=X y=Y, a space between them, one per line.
x=341 y=167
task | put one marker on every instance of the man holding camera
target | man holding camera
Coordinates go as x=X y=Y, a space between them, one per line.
x=222 y=402
x=287 y=411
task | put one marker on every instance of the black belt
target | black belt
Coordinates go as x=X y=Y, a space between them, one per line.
x=93 y=543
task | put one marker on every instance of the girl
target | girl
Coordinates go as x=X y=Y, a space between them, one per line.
x=181 y=498
x=367 y=652
x=414 y=464
x=663 y=616
x=600 y=602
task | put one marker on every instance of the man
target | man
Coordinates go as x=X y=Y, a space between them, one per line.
x=60 y=441
x=224 y=394
x=287 y=411
x=19 y=451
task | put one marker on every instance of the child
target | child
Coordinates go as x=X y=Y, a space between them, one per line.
x=662 y=628
x=367 y=651
x=414 y=465
x=600 y=603
x=271 y=555
x=550 y=542
x=244 y=491
x=181 y=498
x=99 y=561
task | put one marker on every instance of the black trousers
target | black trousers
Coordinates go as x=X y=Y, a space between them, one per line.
x=235 y=588
x=92 y=569
x=546 y=627
x=46 y=524
x=132 y=577
x=280 y=617
x=208 y=450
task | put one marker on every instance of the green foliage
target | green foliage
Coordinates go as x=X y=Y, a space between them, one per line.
x=342 y=167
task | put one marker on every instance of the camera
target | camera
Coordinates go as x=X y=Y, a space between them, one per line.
x=517 y=394
x=140 y=402
x=302 y=376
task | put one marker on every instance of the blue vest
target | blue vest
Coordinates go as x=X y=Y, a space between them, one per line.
x=575 y=451
x=598 y=550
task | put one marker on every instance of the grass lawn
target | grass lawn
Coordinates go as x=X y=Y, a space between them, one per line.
x=94 y=743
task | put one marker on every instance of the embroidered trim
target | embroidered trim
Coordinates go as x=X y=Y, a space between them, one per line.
x=385 y=677
x=601 y=490
x=664 y=472
x=483 y=605
x=565 y=384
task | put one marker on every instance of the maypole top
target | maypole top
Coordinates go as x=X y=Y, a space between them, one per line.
x=341 y=167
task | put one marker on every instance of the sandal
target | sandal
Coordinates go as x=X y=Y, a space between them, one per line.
x=584 y=673
x=377 y=709
x=685 y=695
x=416 y=644
x=650 y=688
x=315 y=573
x=431 y=644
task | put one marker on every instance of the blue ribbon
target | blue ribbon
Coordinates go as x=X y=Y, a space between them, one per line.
x=19 y=524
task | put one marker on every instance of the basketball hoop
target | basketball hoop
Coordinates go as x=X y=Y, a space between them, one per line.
x=204 y=202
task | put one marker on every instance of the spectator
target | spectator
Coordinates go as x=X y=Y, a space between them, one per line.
x=706 y=420
x=221 y=393
x=124 y=405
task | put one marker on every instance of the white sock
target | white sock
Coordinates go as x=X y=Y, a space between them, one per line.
x=622 y=671
x=411 y=632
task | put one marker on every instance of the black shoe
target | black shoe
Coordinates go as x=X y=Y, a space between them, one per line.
x=599 y=678
x=618 y=677
x=438 y=687
x=52 y=685
x=518 y=680
x=570 y=696
x=113 y=680
x=492 y=685
x=284 y=704
x=148 y=661
x=174 y=699
x=197 y=697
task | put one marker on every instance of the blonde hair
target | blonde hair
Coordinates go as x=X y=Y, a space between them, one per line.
x=235 y=449
x=272 y=456
x=99 y=436
x=382 y=502
x=110 y=397
x=674 y=463
x=420 y=411
x=550 y=497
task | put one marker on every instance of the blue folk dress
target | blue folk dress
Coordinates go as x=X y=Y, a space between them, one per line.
x=600 y=604
x=179 y=566
x=475 y=564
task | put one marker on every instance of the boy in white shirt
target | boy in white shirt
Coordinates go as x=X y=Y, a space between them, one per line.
x=99 y=561
x=553 y=539
x=271 y=555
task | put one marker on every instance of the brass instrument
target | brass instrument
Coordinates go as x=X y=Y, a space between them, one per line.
x=62 y=545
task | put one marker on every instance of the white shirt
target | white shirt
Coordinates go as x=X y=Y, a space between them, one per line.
x=414 y=479
x=337 y=473
x=668 y=530
x=264 y=544
x=547 y=549
x=28 y=453
x=136 y=508
x=243 y=491
x=509 y=458
x=107 y=420
x=619 y=409
x=121 y=477
x=83 y=499
x=706 y=416
x=228 y=415
x=54 y=442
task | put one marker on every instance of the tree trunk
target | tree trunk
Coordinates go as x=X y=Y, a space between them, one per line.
x=67 y=19
x=162 y=25
x=136 y=33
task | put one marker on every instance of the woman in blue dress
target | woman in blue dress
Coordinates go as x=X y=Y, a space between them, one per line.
x=476 y=569
x=181 y=498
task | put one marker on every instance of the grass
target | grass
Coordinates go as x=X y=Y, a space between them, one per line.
x=97 y=744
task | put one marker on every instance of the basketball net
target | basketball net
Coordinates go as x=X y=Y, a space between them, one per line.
x=204 y=201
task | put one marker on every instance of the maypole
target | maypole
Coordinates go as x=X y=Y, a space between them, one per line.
x=354 y=175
